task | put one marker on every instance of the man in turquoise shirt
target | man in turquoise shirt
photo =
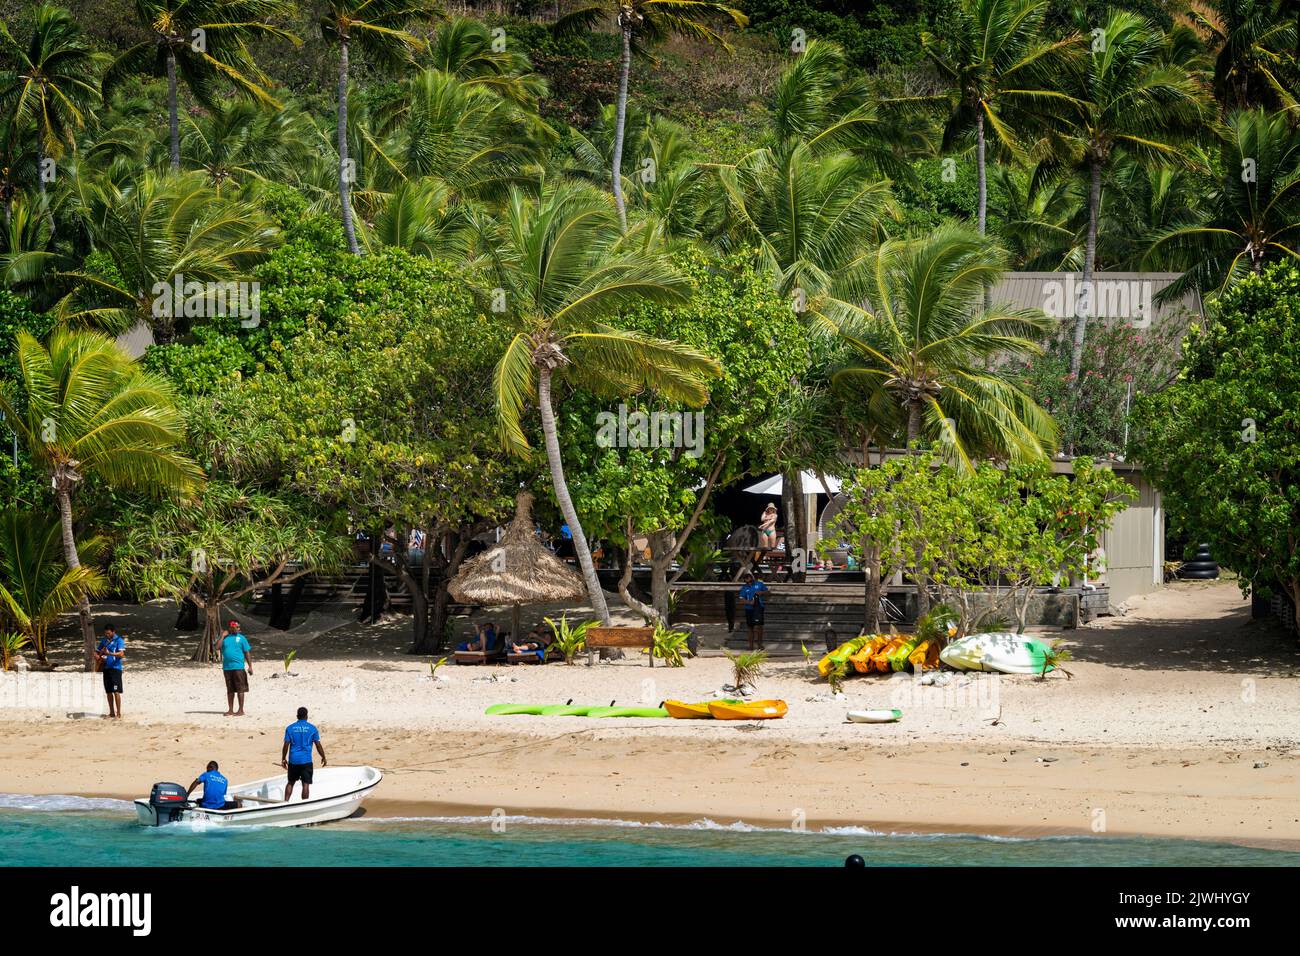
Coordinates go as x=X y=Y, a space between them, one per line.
x=236 y=667
x=295 y=755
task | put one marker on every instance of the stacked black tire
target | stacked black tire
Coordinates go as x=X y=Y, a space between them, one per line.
x=1201 y=567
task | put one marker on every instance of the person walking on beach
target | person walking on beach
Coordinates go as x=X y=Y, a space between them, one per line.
x=214 y=789
x=295 y=755
x=236 y=668
x=753 y=595
x=109 y=652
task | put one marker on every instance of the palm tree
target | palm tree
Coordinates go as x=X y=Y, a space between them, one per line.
x=924 y=340
x=240 y=142
x=50 y=85
x=564 y=270
x=89 y=411
x=377 y=27
x=465 y=48
x=813 y=220
x=998 y=66
x=1127 y=95
x=200 y=42
x=153 y=230
x=1254 y=50
x=37 y=585
x=641 y=25
x=1252 y=217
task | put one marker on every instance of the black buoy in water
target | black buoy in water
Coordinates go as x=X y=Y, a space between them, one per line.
x=854 y=860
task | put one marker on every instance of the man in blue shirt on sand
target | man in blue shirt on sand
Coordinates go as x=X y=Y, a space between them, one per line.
x=214 y=789
x=753 y=595
x=109 y=652
x=235 y=658
x=295 y=755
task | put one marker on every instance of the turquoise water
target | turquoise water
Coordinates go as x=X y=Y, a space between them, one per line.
x=74 y=832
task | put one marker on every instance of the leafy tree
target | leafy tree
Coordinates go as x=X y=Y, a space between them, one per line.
x=1223 y=442
x=1254 y=48
x=221 y=546
x=37 y=586
x=925 y=342
x=641 y=25
x=564 y=269
x=199 y=42
x=239 y=143
x=91 y=412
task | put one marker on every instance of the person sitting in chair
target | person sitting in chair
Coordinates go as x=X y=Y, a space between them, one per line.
x=534 y=640
x=214 y=789
x=485 y=638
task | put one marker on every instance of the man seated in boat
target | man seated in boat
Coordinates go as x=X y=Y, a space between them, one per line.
x=214 y=789
x=295 y=755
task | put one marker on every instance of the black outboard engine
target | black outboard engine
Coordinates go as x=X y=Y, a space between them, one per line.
x=167 y=801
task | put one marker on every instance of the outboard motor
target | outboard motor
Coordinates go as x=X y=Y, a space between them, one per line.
x=167 y=801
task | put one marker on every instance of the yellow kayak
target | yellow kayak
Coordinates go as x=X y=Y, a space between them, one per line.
x=750 y=710
x=684 y=711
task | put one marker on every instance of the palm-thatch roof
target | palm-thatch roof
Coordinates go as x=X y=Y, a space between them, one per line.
x=517 y=569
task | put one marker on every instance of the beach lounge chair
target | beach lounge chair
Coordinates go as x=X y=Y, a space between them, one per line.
x=496 y=654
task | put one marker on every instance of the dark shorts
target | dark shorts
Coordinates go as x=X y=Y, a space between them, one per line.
x=754 y=616
x=112 y=680
x=236 y=681
x=300 y=771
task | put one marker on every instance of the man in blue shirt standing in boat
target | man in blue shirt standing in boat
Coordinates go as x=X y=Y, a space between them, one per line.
x=236 y=667
x=110 y=652
x=295 y=755
x=753 y=595
x=214 y=789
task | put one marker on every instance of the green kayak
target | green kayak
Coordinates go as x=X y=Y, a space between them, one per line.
x=500 y=710
x=566 y=710
x=627 y=712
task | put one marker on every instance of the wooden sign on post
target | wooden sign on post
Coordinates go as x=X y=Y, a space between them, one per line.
x=599 y=637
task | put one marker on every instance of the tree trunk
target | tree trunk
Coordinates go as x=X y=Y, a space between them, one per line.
x=982 y=170
x=871 y=568
x=913 y=421
x=620 y=126
x=73 y=561
x=173 y=112
x=1089 y=265
x=345 y=190
x=40 y=182
x=207 y=650
x=561 y=486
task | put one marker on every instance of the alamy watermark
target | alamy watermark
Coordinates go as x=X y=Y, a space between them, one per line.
x=192 y=299
x=638 y=429
x=1129 y=299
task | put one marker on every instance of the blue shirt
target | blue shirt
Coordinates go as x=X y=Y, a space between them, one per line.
x=300 y=735
x=233 y=649
x=214 y=790
x=112 y=645
x=755 y=592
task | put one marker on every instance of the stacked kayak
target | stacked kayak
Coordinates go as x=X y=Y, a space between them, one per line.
x=572 y=710
x=998 y=651
x=748 y=710
x=882 y=654
x=727 y=709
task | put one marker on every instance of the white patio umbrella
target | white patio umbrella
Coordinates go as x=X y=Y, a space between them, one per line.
x=812 y=485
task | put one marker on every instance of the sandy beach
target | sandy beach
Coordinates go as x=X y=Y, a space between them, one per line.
x=1180 y=720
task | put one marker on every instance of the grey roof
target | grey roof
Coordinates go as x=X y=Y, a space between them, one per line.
x=1122 y=297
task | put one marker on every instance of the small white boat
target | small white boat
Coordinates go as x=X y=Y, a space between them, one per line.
x=336 y=793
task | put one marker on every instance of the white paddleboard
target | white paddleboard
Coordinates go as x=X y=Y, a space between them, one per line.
x=875 y=716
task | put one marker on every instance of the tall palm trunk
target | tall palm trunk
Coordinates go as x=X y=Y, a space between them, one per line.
x=1086 y=300
x=345 y=190
x=913 y=420
x=173 y=114
x=620 y=125
x=551 y=435
x=73 y=560
x=982 y=170
x=40 y=183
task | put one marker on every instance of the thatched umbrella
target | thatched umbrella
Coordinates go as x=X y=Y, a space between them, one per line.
x=517 y=570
